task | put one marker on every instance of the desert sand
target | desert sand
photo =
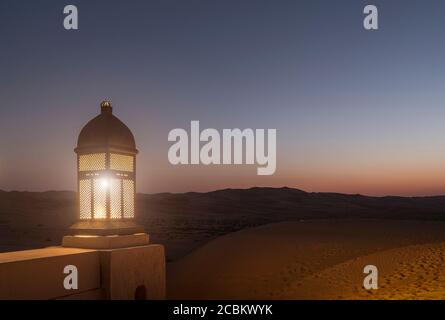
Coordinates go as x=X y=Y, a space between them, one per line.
x=264 y=242
x=316 y=260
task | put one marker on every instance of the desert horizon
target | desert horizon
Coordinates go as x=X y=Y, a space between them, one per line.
x=395 y=195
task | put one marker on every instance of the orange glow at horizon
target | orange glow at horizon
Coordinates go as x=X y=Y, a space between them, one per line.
x=407 y=177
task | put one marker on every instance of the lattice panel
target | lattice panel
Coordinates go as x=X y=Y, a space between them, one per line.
x=121 y=162
x=92 y=162
x=115 y=199
x=128 y=198
x=85 y=199
x=100 y=198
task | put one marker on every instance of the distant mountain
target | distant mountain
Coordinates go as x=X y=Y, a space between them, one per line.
x=33 y=219
x=278 y=203
x=58 y=208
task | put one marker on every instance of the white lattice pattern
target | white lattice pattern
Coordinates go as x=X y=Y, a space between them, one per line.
x=100 y=198
x=128 y=198
x=115 y=199
x=85 y=199
x=121 y=162
x=92 y=162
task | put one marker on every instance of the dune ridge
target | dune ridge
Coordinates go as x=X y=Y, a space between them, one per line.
x=312 y=260
x=411 y=272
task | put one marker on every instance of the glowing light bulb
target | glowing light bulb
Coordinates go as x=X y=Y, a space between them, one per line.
x=104 y=183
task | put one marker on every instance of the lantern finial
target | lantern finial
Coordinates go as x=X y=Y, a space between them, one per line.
x=105 y=106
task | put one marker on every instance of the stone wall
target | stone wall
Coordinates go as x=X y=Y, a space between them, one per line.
x=126 y=273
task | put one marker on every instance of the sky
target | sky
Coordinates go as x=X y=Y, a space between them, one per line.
x=356 y=111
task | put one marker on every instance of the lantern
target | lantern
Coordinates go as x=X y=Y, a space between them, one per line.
x=106 y=169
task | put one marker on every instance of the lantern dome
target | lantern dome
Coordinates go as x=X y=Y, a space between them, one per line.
x=106 y=132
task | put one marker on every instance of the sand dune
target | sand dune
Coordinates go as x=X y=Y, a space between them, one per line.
x=412 y=272
x=315 y=260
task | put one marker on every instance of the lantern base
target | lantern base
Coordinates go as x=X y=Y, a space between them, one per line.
x=106 y=242
x=106 y=228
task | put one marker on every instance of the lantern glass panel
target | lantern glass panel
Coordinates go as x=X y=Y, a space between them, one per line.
x=85 y=199
x=121 y=162
x=92 y=162
x=115 y=199
x=100 y=198
x=128 y=198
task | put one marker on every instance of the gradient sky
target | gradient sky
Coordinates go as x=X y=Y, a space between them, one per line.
x=356 y=111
